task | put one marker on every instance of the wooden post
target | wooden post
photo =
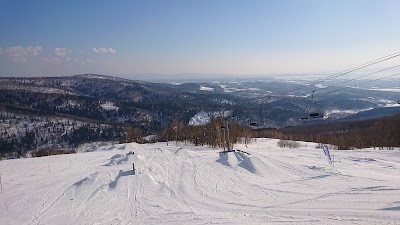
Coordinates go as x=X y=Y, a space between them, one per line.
x=133 y=168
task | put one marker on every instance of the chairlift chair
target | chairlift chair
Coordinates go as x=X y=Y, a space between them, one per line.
x=306 y=116
x=303 y=118
x=316 y=113
x=253 y=124
x=253 y=118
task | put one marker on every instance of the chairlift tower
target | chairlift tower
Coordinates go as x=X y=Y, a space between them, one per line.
x=227 y=130
x=227 y=142
x=223 y=127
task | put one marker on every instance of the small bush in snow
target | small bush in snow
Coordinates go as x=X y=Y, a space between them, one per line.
x=288 y=144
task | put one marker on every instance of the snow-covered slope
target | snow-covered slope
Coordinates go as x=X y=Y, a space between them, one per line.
x=200 y=118
x=195 y=185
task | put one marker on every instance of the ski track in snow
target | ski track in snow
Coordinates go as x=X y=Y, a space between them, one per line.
x=187 y=184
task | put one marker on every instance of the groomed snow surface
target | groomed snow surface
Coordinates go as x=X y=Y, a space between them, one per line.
x=183 y=184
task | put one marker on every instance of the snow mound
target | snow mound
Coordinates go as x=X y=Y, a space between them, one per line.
x=254 y=164
x=245 y=163
x=115 y=147
x=113 y=184
x=96 y=146
x=235 y=159
x=123 y=158
x=149 y=180
x=228 y=159
x=118 y=159
x=117 y=156
x=88 y=180
x=81 y=189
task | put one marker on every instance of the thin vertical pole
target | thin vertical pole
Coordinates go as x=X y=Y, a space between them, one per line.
x=224 y=128
x=133 y=167
x=227 y=130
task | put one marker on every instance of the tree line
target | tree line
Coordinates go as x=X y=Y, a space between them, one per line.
x=217 y=134
x=382 y=133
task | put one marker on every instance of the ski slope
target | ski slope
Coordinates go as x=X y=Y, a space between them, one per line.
x=184 y=184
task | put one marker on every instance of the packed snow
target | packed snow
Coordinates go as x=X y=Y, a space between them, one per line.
x=204 y=88
x=231 y=89
x=185 y=184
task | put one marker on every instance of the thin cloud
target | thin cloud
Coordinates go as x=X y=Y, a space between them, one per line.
x=20 y=51
x=60 y=51
x=57 y=56
x=104 y=50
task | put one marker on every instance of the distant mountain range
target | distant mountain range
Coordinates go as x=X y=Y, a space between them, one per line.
x=103 y=105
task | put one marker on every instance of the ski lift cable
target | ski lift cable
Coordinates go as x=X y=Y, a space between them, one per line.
x=353 y=69
x=370 y=81
x=357 y=68
x=346 y=81
x=387 y=57
x=313 y=92
x=382 y=59
x=317 y=114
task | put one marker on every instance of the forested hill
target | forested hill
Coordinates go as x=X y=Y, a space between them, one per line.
x=63 y=112
x=60 y=113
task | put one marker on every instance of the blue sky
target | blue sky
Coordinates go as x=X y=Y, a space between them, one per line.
x=165 y=37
